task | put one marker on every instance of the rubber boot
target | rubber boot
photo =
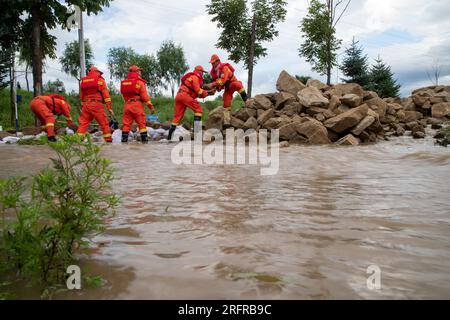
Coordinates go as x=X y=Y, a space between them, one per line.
x=144 y=137
x=244 y=96
x=51 y=139
x=124 y=137
x=171 y=131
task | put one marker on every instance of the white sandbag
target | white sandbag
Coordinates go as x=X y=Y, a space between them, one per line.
x=117 y=136
x=11 y=140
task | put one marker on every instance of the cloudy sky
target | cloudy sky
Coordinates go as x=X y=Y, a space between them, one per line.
x=409 y=35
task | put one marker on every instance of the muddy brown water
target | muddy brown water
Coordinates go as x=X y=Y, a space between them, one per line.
x=310 y=232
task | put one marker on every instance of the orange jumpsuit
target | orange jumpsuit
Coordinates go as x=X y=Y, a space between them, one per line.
x=46 y=107
x=189 y=91
x=93 y=94
x=224 y=78
x=134 y=92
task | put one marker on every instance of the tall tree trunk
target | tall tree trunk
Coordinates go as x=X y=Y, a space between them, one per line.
x=36 y=50
x=251 y=58
x=26 y=76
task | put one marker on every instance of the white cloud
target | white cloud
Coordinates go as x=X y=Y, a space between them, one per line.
x=407 y=34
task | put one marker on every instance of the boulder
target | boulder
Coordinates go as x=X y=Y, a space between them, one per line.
x=346 y=88
x=317 y=84
x=237 y=123
x=283 y=98
x=251 y=123
x=31 y=131
x=292 y=109
x=288 y=83
x=368 y=95
x=351 y=100
x=378 y=105
x=288 y=131
x=244 y=114
x=313 y=130
x=215 y=119
x=250 y=104
x=226 y=119
x=262 y=102
x=363 y=125
x=266 y=115
x=335 y=102
x=412 y=116
x=347 y=120
x=273 y=123
x=348 y=140
x=312 y=97
x=441 y=110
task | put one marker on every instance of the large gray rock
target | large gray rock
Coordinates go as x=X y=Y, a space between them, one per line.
x=288 y=83
x=237 y=123
x=363 y=125
x=347 y=88
x=312 y=97
x=288 y=131
x=262 y=102
x=313 y=130
x=251 y=123
x=352 y=100
x=441 y=110
x=244 y=114
x=378 y=105
x=347 y=120
x=292 y=109
x=283 y=98
x=265 y=116
x=348 y=140
x=412 y=116
x=335 y=102
x=274 y=123
x=316 y=83
x=215 y=119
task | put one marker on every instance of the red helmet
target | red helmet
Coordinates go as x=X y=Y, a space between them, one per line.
x=95 y=69
x=134 y=69
x=214 y=58
x=200 y=69
x=57 y=96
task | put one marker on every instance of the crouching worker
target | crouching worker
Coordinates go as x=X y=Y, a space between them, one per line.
x=93 y=95
x=46 y=107
x=224 y=79
x=189 y=91
x=135 y=95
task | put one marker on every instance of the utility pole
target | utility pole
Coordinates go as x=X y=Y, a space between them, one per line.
x=81 y=40
x=14 y=115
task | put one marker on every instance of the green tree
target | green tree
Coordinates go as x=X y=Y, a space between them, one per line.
x=120 y=59
x=47 y=15
x=56 y=86
x=172 y=64
x=5 y=62
x=381 y=80
x=70 y=59
x=355 y=66
x=319 y=32
x=246 y=28
x=303 y=79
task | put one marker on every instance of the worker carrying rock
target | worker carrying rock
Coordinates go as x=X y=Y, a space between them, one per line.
x=135 y=95
x=224 y=78
x=46 y=107
x=190 y=89
x=93 y=95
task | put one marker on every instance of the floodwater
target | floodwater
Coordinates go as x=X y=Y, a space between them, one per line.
x=310 y=232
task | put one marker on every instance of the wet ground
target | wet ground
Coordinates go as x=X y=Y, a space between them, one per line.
x=310 y=232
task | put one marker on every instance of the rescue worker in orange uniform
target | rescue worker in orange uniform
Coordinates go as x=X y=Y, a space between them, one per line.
x=135 y=95
x=46 y=107
x=190 y=89
x=93 y=95
x=224 y=78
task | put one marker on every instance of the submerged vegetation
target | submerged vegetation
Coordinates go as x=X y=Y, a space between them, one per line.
x=43 y=222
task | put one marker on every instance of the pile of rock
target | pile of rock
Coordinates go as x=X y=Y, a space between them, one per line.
x=344 y=114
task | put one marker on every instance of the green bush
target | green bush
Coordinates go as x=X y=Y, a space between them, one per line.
x=40 y=228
